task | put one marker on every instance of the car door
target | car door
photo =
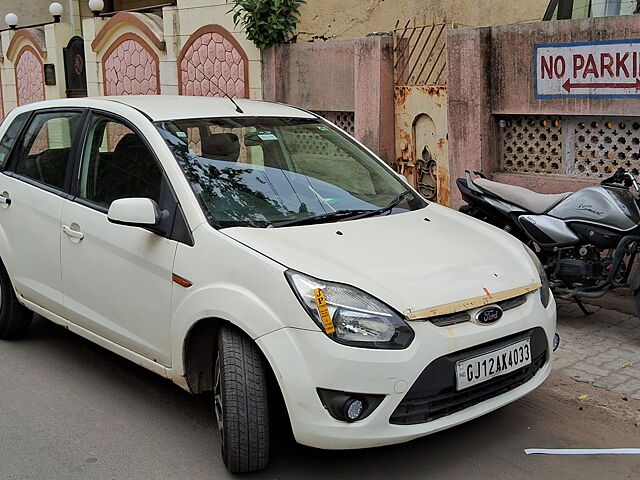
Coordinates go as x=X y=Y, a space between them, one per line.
x=117 y=279
x=35 y=182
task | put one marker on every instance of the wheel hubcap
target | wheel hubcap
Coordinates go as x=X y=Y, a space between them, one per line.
x=217 y=392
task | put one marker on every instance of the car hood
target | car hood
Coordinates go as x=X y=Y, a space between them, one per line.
x=411 y=261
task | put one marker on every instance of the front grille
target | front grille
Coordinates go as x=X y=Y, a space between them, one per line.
x=460 y=317
x=450 y=319
x=514 y=302
x=434 y=393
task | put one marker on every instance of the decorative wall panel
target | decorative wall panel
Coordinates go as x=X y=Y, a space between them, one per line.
x=130 y=67
x=570 y=145
x=29 y=76
x=212 y=62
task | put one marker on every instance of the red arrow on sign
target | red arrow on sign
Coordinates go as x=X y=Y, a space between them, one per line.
x=568 y=85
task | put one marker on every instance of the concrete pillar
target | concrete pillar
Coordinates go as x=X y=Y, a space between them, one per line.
x=168 y=66
x=9 y=97
x=90 y=28
x=273 y=74
x=374 y=103
x=472 y=129
x=57 y=37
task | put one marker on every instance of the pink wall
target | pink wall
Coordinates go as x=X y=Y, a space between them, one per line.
x=352 y=76
x=490 y=73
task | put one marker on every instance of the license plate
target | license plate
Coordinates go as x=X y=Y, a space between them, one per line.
x=475 y=370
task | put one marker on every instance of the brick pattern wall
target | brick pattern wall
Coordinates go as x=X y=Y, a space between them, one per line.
x=130 y=68
x=212 y=62
x=29 y=77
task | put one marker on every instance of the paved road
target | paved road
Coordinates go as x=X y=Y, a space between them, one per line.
x=71 y=410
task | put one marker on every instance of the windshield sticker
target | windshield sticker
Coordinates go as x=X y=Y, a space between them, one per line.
x=181 y=134
x=323 y=128
x=267 y=136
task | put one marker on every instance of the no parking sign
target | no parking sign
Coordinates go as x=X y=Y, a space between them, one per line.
x=588 y=69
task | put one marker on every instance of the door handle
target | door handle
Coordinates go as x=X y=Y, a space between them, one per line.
x=5 y=200
x=72 y=233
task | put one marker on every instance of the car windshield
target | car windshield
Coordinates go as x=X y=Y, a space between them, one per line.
x=272 y=172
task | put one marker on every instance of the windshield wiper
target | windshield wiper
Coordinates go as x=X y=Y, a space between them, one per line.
x=339 y=215
x=325 y=217
x=394 y=203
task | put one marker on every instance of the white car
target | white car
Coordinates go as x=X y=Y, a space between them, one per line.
x=256 y=251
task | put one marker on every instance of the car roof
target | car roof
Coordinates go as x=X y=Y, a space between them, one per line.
x=176 y=107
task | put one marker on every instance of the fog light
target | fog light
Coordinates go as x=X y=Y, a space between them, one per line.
x=347 y=406
x=353 y=409
x=556 y=341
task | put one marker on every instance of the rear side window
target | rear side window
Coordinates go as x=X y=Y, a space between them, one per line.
x=44 y=151
x=10 y=137
x=117 y=164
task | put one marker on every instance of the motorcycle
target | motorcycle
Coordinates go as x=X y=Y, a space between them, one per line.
x=587 y=241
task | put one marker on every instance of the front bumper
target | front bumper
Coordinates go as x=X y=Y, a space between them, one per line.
x=305 y=360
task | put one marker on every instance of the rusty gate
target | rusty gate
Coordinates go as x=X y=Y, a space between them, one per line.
x=420 y=76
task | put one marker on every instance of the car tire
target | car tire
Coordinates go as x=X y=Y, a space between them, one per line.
x=15 y=319
x=241 y=402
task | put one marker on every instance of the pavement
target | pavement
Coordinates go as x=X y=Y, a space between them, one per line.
x=603 y=348
x=72 y=410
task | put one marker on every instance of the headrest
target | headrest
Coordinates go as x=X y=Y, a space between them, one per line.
x=130 y=140
x=221 y=146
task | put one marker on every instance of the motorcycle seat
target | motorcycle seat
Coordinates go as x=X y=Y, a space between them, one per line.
x=522 y=197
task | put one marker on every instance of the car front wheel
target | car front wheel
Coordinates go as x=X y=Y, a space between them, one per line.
x=15 y=319
x=241 y=402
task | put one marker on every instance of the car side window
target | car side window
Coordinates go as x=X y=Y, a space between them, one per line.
x=116 y=163
x=45 y=148
x=10 y=136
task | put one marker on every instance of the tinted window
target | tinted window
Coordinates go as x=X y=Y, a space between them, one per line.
x=117 y=164
x=264 y=171
x=46 y=146
x=10 y=137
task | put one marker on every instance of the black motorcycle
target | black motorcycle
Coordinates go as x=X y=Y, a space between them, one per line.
x=587 y=241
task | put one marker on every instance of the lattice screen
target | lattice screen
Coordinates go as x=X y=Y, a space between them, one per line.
x=344 y=120
x=303 y=141
x=575 y=146
x=532 y=144
x=604 y=144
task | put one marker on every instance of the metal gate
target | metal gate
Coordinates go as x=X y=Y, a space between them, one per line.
x=420 y=75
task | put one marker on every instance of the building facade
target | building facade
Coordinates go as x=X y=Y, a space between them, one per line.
x=188 y=47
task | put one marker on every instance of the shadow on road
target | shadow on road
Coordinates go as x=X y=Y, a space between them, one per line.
x=160 y=431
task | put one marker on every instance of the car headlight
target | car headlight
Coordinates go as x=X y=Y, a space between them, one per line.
x=350 y=316
x=545 y=290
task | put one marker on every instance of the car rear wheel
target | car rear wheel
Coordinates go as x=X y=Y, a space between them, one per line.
x=241 y=402
x=15 y=319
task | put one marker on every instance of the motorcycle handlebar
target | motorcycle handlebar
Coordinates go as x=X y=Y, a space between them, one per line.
x=623 y=177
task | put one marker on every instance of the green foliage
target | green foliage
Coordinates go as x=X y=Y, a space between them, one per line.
x=267 y=22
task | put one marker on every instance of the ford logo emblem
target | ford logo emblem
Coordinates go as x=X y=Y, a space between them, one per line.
x=488 y=315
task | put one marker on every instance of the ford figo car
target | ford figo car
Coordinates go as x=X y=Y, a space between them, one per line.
x=256 y=251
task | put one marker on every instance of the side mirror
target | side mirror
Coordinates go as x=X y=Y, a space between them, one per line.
x=135 y=212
